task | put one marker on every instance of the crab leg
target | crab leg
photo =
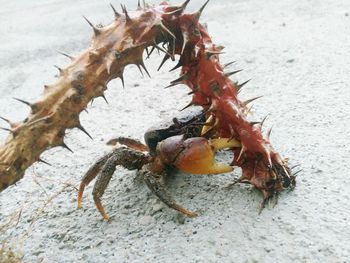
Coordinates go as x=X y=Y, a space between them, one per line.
x=129 y=142
x=105 y=167
x=102 y=183
x=155 y=183
x=90 y=175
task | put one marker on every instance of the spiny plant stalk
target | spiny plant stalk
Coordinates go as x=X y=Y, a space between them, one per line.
x=122 y=43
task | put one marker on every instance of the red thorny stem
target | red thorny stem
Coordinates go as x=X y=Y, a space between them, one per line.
x=121 y=43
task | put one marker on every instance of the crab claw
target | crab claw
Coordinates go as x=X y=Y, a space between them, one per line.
x=195 y=155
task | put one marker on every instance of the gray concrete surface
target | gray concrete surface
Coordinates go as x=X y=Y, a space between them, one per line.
x=297 y=54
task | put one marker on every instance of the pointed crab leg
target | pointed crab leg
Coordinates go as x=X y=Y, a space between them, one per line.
x=155 y=183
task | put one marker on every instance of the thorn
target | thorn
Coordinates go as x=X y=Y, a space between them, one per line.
x=228 y=64
x=232 y=72
x=245 y=103
x=166 y=57
x=96 y=30
x=161 y=49
x=185 y=40
x=12 y=125
x=42 y=161
x=188 y=105
x=294 y=166
x=147 y=52
x=138 y=66
x=210 y=53
x=6 y=129
x=239 y=86
x=122 y=79
x=297 y=172
x=59 y=69
x=104 y=97
x=84 y=131
x=263 y=120
x=167 y=30
x=173 y=84
x=25 y=102
x=65 y=146
x=116 y=14
x=127 y=17
x=181 y=78
x=66 y=55
x=180 y=8
x=255 y=123
x=178 y=65
x=199 y=12
x=153 y=48
x=185 y=4
x=138 y=5
x=193 y=91
x=144 y=68
x=8 y=121
x=240 y=154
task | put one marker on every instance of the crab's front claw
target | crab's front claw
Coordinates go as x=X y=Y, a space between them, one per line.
x=195 y=155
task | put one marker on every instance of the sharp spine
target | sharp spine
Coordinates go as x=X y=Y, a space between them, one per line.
x=80 y=127
x=66 y=55
x=25 y=102
x=142 y=64
x=8 y=121
x=228 y=74
x=96 y=30
x=104 y=97
x=6 y=129
x=178 y=65
x=42 y=161
x=116 y=14
x=152 y=49
x=268 y=134
x=167 y=30
x=66 y=147
x=161 y=49
x=294 y=174
x=127 y=17
x=228 y=64
x=139 y=5
x=187 y=106
x=166 y=57
x=181 y=78
x=122 y=79
x=263 y=120
x=239 y=86
x=59 y=69
x=180 y=8
x=199 y=12
x=245 y=103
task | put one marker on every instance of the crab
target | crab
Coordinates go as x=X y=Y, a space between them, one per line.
x=184 y=144
x=179 y=144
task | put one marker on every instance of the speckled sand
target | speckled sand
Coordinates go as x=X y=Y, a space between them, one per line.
x=298 y=56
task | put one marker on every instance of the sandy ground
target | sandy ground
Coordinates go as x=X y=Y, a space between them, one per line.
x=297 y=54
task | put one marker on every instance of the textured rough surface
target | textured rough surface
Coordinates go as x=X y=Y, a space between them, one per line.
x=296 y=55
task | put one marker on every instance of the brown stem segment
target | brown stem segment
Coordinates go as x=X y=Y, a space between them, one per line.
x=122 y=43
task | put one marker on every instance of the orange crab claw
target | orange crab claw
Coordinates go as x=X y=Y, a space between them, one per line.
x=195 y=155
